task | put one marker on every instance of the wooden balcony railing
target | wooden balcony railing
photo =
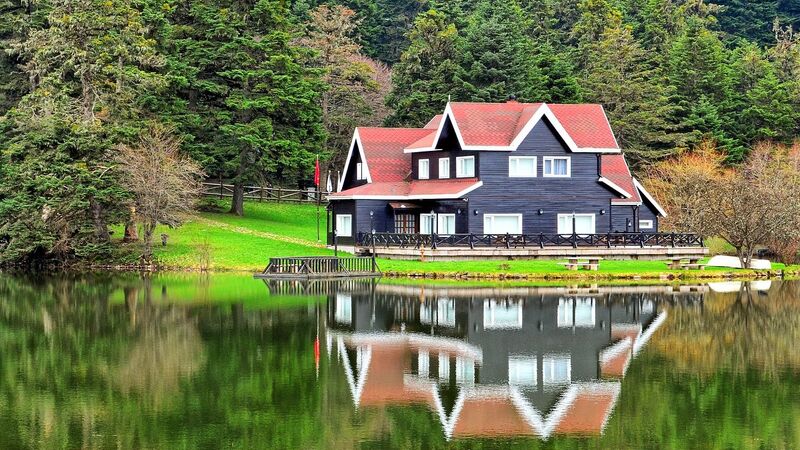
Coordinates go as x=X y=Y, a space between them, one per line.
x=540 y=240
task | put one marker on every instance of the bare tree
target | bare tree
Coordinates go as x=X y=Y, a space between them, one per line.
x=164 y=183
x=758 y=204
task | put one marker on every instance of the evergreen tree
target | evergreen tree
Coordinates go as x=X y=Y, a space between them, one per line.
x=92 y=68
x=751 y=19
x=498 y=54
x=428 y=72
x=620 y=77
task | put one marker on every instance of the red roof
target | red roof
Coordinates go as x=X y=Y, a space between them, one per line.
x=383 y=148
x=498 y=124
x=409 y=190
x=615 y=169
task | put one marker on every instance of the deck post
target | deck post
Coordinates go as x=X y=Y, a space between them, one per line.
x=471 y=241
x=574 y=238
x=508 y=240
x=541 y=240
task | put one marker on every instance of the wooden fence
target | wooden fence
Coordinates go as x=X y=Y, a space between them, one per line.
x=530 y=240
x=265 y=193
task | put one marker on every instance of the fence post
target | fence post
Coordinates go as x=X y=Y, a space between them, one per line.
x=673 y=239
x=541 y=240
x=574 y=238
x=261 y=195
x=280 y=193
x=220 y=187
x=608 y=240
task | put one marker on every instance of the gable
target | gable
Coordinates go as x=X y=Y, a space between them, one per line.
x=448 y=140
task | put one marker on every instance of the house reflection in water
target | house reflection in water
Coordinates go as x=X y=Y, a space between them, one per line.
x=491 y=362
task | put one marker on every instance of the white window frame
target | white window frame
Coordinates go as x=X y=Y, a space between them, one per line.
x=439 y=223
x=548 y=369
x=568 y=309
x=487 y=218
x=569 y=217
x=423 y=363
x=339 y=225
x=444 y=168
x=489 y=308
x=459 y=173
x=344 y=308
x=545 y=159
x=523 y=371
x=360 y=175
x=513 y=163
x=425 y=222
x=426 y=163
x=645 y=224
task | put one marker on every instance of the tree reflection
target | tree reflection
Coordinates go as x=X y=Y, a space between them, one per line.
x=736 y=331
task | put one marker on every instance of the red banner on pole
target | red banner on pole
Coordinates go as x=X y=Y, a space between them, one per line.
x=316 y=173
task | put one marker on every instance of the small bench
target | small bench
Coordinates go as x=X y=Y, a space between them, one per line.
x=589 y=263
x=688 y=263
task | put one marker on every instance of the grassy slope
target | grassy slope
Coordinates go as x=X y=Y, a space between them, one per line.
x=241 y=243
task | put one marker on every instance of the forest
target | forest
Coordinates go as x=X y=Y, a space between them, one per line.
x=255 y=91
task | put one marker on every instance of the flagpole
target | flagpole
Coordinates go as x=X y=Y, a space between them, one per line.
x=319 y=192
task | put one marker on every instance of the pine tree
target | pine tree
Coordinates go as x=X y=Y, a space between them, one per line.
x=92 y=68
x=637 y=102
x=428 y=72
x=497 y=54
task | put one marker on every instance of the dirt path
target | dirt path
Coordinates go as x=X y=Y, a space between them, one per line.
x=263 y=234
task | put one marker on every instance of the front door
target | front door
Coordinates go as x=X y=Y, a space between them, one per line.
x=584 y=223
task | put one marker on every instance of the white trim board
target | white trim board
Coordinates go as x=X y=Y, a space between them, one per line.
x=356 y=141
x=542 y=111
x=649 y=197
x=615 y=187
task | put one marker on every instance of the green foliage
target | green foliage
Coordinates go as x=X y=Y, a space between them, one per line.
x=428 y=72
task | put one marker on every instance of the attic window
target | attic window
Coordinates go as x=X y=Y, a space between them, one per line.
x=360 y=172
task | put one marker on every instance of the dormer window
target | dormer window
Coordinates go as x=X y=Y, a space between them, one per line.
x=556 y=166
x=360 y=174
x=465 y=167
x=424 y=169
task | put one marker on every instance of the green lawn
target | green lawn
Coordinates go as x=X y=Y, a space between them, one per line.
x=271 y=230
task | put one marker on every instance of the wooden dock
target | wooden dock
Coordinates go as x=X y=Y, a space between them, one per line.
x=305 y=267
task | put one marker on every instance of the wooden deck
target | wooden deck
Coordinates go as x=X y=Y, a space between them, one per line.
x=306 y=267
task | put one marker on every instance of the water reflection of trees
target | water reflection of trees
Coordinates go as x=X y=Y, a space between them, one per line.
x=99 y=362
x=739 y=331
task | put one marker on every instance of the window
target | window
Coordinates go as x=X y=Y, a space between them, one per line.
x=426 y=223
x=405 y=223
x=556 y=166
x=502 y=314
x=465 y=166
x=442 y=223
x=521 y=166
x=584 y=224
x=521 y=371
x=576 y=313
x=344 y=225
x=502 y=223
x=423 y=363
x=360 y=173
x=446 y=312
x=444 y=367
x=556 y=369
x=646 y=224
x=344 y=307
x=444 y=167
x=446 y=224
x=465 y=370
x=424 y=169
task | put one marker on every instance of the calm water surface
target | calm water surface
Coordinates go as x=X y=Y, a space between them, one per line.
x=225 y=361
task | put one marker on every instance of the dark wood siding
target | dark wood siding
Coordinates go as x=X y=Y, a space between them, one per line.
x=343 y=207
x=350 y=177
x=433 y=157
x=500 y=194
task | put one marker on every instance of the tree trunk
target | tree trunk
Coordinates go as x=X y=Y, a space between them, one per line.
x=100 y=228
x=131 y=232
x=237 y=202
x=147 y=254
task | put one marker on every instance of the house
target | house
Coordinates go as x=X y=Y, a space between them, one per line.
x=492 y=168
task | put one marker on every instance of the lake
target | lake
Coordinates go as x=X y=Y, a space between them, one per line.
x=225 y=361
